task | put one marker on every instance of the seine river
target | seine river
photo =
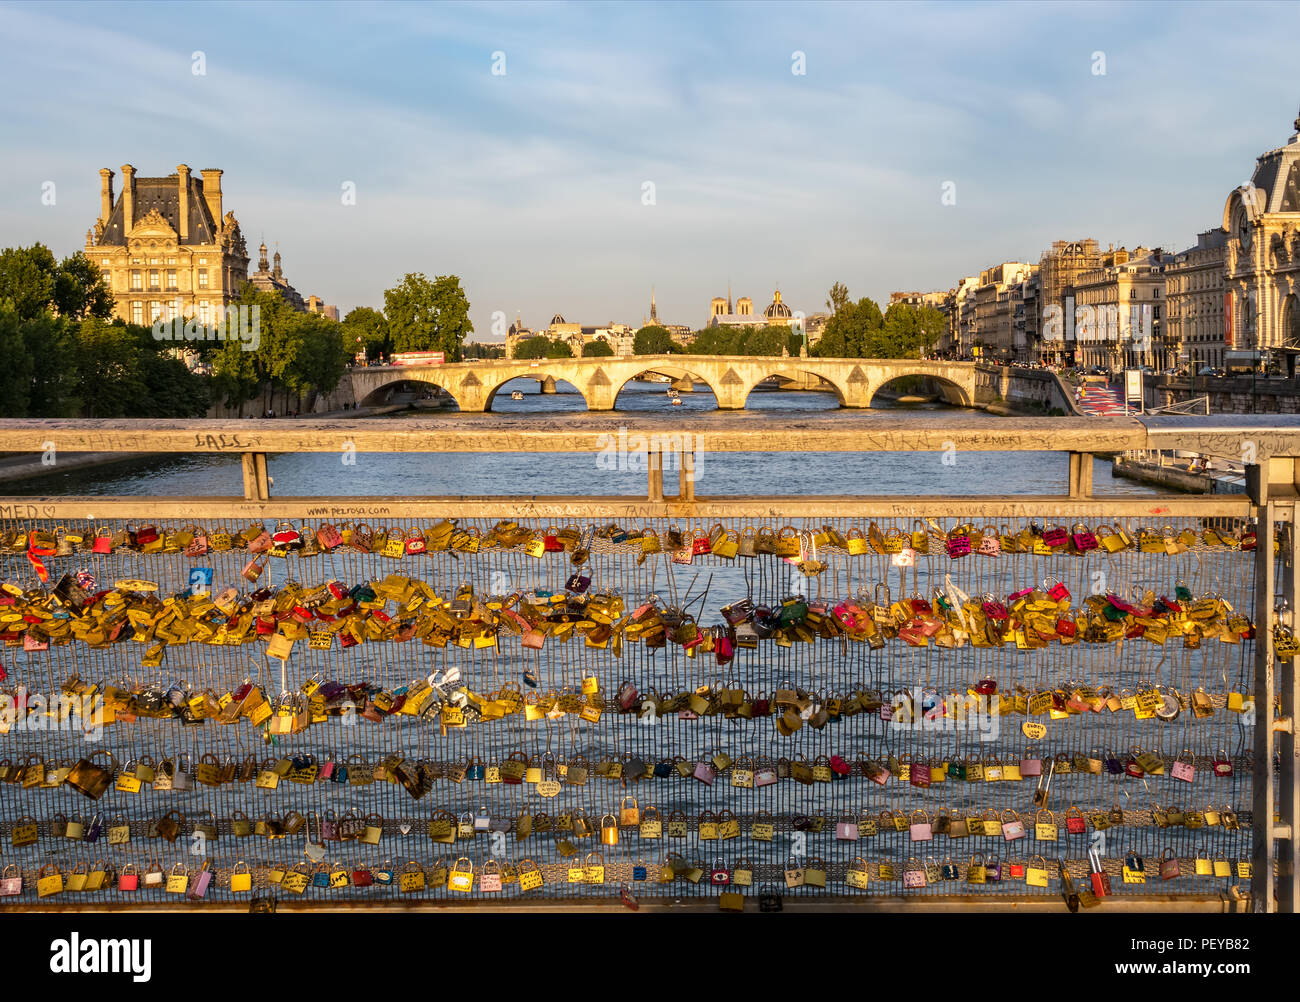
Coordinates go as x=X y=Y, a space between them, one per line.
x=519 y=473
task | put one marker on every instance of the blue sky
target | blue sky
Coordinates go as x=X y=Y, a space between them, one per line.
x=528 y=185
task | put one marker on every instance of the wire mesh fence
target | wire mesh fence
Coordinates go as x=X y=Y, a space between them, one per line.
x=814 y=757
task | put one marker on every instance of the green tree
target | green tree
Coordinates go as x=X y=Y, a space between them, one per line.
x=653 y=340
x=794 y=343
x=108 y=369
x=756 y=341
x=715 y=341
x=597 y=349
x=322 y=358
x=51 y=344
x=27 y=280
x=533 y=347
x=16 y=373
x=481 y=349
x=837 y=298
x=365 y=329
x=907 y=331
x=853 y=332
x=428 y=316
x=80 y=290
x=559 y=349
x=170 y=389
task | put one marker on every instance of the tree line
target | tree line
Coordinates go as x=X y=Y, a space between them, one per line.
x=861 y=330
x=65 y=354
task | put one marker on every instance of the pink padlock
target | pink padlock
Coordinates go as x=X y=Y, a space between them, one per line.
x=199 y=885
x=921 y=831
x=1184 y=770
x=705 y=773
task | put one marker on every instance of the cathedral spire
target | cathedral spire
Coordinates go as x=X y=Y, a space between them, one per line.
x=729 y=309
x=654 y=313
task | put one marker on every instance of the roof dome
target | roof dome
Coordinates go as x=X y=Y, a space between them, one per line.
x=557 y=319
x=777 y=308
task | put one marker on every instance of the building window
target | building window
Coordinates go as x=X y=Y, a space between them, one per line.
x=137 y=312
x=171 y=279
x=1155 y=293
x=1155 y=313
x=171 y=260
x=153 y=280
x=203 y=260
x=136 y=281
x=204 y=313
x=203 y=278
x=1132 y=293
x=155 y=310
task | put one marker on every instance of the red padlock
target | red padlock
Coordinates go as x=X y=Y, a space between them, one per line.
x=1100 y=878
x=719 y=875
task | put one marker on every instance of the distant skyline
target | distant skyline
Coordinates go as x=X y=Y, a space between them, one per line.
x=529 y=185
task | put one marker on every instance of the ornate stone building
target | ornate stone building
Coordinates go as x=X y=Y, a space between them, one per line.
x=1262 y=257
x=272 y=280
x=777 y=314
x=1194 y=301
x=1058 y=270
x=165 y=247
x=1118 y=311
x=996 y=298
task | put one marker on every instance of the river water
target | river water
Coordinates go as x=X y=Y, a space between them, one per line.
x=319 y=474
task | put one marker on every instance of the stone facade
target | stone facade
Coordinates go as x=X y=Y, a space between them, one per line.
x=1262 y=257
x=268 y=279
x=1058 y=270
x=1194 y=300
x=777 y=314
x=1107 y=333
x=165 y=247
x=995 y=309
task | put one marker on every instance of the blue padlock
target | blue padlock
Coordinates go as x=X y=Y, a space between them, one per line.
x=638 y=873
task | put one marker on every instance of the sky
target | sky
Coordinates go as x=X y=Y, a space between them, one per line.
x=565 y=158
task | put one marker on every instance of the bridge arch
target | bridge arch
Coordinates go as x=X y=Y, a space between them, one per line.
x=368 y=395
x=553 y=375
x=952 y=391
x=759 y=370
x=671 y=369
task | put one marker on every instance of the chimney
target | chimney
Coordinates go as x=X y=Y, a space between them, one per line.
x=212 y=193
x=128 y=198
x=105 y=194
x=183 y=206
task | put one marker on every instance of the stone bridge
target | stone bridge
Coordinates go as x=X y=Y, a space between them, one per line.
x=854 y=381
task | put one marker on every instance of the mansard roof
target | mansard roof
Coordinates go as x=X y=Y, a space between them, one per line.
x=163 y=194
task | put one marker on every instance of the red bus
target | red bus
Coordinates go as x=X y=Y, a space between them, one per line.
x=416 y=358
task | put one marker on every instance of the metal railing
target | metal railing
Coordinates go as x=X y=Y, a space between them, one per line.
x=831 y=669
